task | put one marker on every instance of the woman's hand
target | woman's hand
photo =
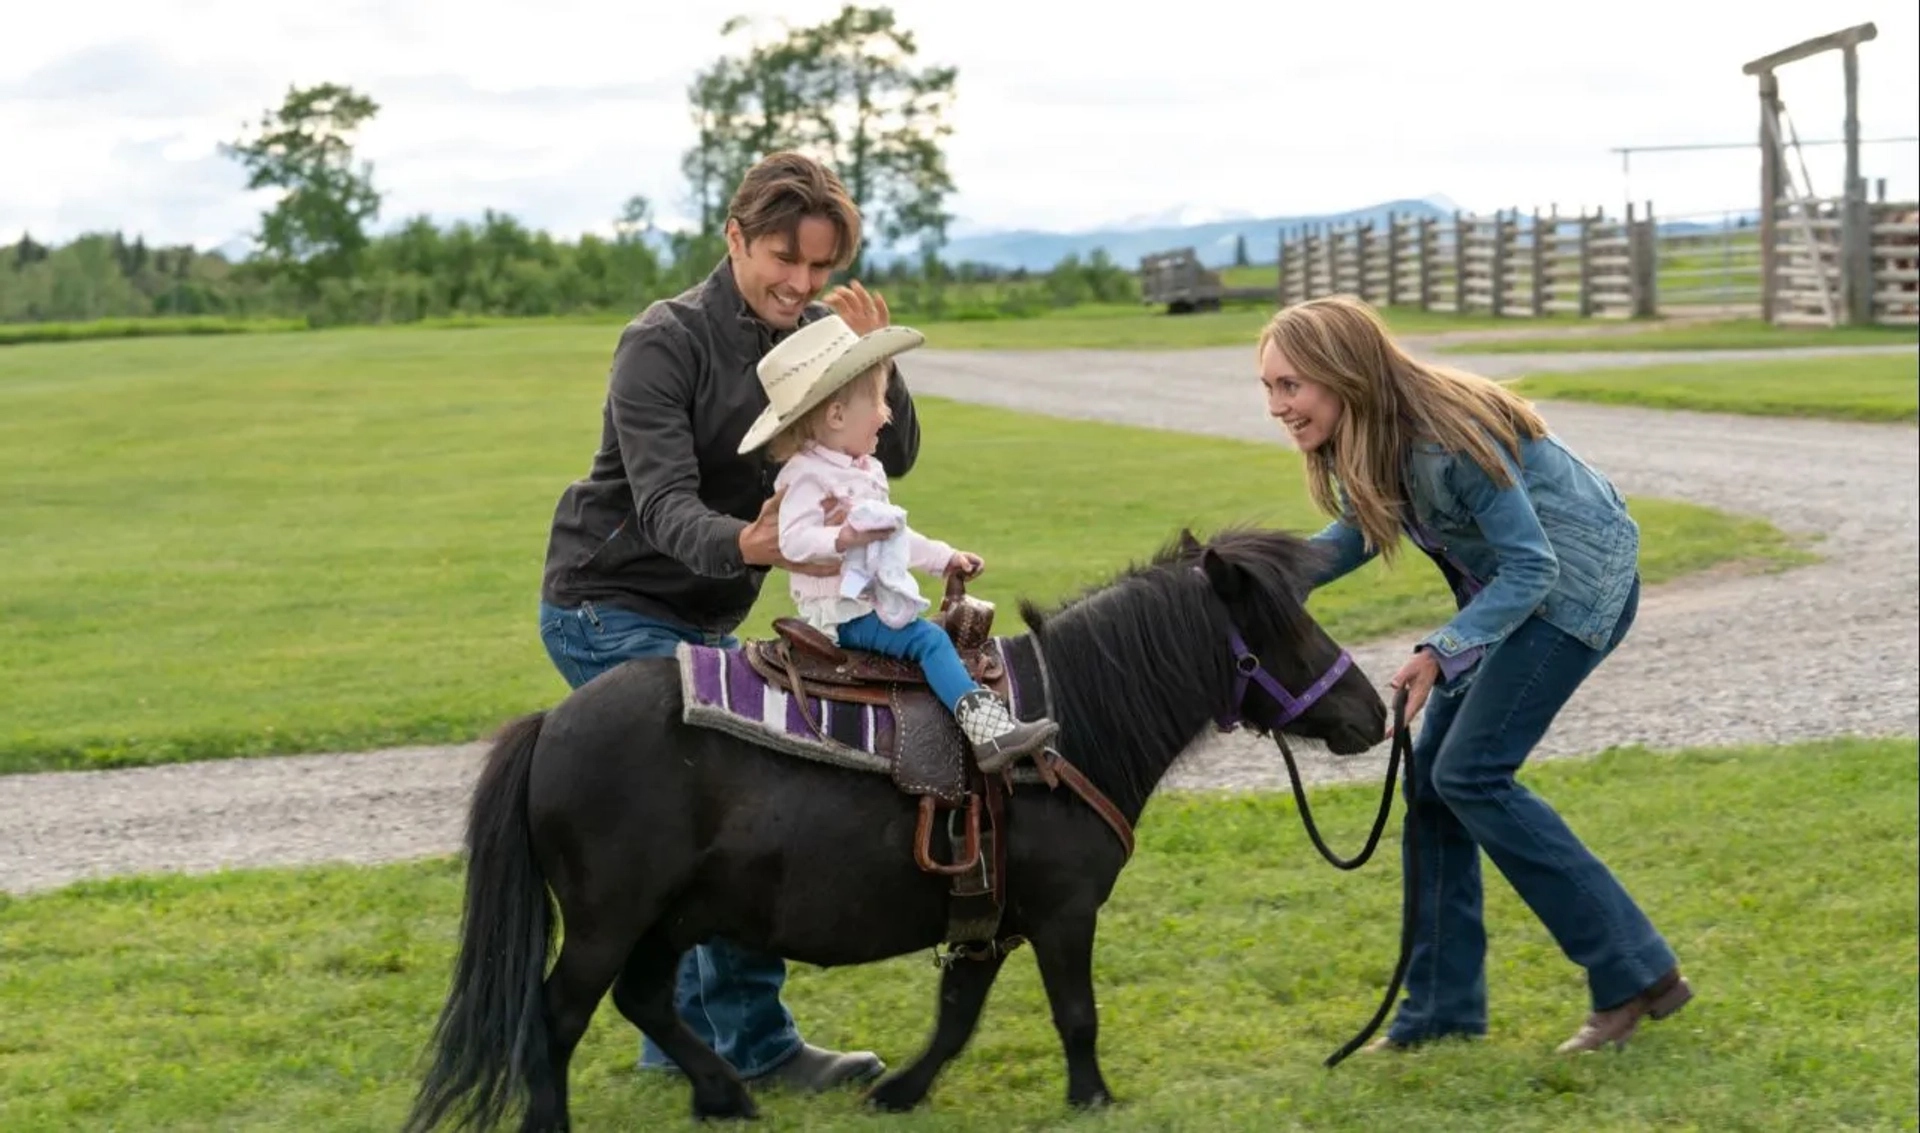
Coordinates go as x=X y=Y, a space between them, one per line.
x=966 y=564
x=1417 y=676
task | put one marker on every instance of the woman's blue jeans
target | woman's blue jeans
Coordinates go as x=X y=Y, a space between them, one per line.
x=728 y=995
x=1464 y=799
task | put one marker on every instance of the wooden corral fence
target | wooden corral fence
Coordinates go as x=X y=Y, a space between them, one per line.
x=1586 y=264
x=1809 y=285
x=1896 y=264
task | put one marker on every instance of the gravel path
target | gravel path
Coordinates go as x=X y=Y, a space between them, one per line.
x=1830 y=649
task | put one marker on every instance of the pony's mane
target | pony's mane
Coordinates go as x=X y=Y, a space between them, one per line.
x=1140 y=663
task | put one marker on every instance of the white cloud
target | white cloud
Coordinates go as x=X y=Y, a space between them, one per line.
x=1067 y=115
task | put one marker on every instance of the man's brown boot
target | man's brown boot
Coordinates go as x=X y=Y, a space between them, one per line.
x=1614 y=1026
x=814 y=1069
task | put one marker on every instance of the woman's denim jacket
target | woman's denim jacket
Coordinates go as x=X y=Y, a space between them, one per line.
x=1558 y=543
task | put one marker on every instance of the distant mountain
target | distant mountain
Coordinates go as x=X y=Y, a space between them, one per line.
x=1211 y=232
x=1127 y=241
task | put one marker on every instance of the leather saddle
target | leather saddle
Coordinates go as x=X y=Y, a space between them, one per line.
x=929 y=756
x=803 y=656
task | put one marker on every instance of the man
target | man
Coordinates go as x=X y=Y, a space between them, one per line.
x=672 y=532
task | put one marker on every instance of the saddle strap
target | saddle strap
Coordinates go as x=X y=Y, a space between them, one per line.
x=798 y=690
x=1054 y=768
x=997 y=824
x=978 y=896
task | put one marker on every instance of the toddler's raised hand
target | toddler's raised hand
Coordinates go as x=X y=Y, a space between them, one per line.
x=851 y=537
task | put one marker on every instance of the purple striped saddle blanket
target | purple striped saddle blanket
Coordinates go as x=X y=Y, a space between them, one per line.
x=721 y=690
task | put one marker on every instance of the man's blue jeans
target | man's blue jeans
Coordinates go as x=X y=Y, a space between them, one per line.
x=729 y=996
x=1465 y=799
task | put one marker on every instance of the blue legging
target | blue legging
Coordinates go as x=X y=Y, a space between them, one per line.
x=919 y=641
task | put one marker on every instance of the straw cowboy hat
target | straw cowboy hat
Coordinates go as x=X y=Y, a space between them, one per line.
x=812 y=362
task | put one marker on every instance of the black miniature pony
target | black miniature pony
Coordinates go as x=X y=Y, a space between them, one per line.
x=653 y=835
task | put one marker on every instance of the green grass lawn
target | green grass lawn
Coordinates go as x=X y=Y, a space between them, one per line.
x=1150 y=328
x=12 y=334
x=1882 y=387
x=1231 y=960
x=281 y=543
x=1121 y=326
x=1730 y=334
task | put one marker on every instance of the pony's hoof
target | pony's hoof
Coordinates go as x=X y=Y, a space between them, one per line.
x=1099 y=1099
x=895 y=1095
x=738 y=1107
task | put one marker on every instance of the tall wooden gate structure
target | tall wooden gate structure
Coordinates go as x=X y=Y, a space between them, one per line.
x=1827 y=261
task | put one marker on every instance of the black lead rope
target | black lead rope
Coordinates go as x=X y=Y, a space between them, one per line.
x=1402 y=745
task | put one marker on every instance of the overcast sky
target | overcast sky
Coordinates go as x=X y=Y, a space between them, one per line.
x=1067 y=116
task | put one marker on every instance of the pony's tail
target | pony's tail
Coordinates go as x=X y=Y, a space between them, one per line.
x=491 y=1038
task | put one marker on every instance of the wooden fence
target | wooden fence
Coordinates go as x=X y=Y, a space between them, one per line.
x=1507 y=264
x=1808 y=273
x=1895 y=256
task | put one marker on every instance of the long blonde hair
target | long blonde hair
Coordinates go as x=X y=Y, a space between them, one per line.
x=1389 y=401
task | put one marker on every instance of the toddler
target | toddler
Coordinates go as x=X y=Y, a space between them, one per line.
x=873 y=603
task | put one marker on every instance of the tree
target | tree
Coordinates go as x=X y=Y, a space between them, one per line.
x=316 y=231
x=844 y=91
x=632 y=266
x=1240 y=250
x=742 y=111
x=635 y=222
x=27 y=252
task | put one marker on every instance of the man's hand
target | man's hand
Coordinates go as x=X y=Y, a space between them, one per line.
x=966 y=564
x=1417 y=676
x=864 y=313
x=760 y=542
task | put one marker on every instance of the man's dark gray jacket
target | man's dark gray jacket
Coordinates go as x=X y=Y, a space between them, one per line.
x=654 y=527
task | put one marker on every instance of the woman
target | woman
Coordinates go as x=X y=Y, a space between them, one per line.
x=1541 y=557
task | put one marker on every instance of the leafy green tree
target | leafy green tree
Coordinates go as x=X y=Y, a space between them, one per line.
x=846 y=91
x=317 y=229
x=631 y=273
x=635 y=222
x=27 y=252
x=87 y=280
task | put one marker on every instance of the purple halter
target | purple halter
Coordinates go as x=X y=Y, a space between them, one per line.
x=1247 y=667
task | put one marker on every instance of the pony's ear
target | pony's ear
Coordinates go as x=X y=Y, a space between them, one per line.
x=1188 y=544
x=1225 y=578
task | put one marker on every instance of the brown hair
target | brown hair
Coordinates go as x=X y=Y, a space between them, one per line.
x=1389 y=400
x=871 y=383
x=784 y=188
